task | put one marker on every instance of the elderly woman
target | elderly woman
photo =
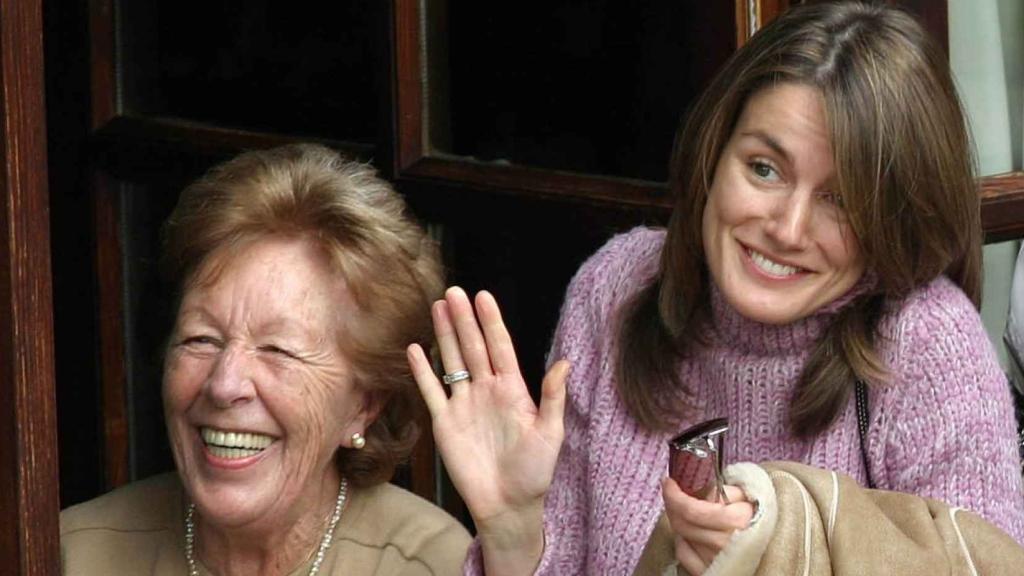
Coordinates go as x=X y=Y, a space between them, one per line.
x=287 y=398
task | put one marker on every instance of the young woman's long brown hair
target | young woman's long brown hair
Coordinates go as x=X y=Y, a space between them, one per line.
x=905 y=175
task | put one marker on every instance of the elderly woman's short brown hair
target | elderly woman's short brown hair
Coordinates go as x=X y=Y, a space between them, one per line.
x=388 y=262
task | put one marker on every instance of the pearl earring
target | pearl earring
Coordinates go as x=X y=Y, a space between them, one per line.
x=358 y=441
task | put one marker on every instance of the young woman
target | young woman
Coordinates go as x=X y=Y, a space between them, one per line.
x=826 y=232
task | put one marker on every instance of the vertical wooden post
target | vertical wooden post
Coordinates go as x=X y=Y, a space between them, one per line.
x=110 y=315
x=28 y=423
x=108 y=251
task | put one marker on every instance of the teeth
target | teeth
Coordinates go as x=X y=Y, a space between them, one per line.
x=221 y=452
x=243 y=444
x=773 y=268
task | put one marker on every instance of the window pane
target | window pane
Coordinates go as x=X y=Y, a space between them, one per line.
x=596 y=86
x=311 y=69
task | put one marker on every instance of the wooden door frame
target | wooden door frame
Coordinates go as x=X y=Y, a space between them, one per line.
x=29 y=502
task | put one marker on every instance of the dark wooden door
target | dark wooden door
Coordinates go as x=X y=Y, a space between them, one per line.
x=28 y=420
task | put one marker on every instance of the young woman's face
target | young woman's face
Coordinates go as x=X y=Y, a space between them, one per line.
x=776 y=239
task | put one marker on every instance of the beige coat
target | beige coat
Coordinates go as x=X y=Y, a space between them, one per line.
x=139 y=529
x=819 y=522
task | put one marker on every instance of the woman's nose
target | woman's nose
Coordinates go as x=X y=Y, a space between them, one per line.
x=230 y=383
x=790 y=220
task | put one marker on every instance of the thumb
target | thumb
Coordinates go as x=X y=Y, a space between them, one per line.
x=552 y=400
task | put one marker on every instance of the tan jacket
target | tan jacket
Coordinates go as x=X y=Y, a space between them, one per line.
x=819 y=522
x=139 y=530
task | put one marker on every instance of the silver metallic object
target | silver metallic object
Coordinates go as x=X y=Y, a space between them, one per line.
x=457 y=376
x=697 y=456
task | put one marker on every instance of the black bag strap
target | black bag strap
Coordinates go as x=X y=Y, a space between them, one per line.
x=861 y=396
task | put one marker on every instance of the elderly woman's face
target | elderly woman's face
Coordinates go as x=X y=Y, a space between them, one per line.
x=257 y=395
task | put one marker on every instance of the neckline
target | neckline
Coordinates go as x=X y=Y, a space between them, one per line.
x=737 y=332
x=195 y=567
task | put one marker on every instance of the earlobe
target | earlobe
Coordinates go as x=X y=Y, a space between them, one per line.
x=355 y=435
x=358 y=441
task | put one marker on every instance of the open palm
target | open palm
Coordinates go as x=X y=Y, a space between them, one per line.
x=499 y=448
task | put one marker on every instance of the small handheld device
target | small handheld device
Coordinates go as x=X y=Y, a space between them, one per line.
x=696 y=458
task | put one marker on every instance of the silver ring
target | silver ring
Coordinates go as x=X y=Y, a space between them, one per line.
x=457 y=376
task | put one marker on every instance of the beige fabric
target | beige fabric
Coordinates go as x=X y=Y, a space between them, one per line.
x=659 y=556
x=746 y=546
x=139 y=529
x=828 y=525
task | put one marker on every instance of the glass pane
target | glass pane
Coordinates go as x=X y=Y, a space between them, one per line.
x=313 y=70
x=595 y=87
x=149 y=310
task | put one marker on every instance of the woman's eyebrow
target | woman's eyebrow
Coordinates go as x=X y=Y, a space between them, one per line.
x=285 y=327
x=768 y=141
x=196 y=312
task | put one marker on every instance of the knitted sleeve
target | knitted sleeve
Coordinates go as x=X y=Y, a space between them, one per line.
x=944 y=426
x=584 y=336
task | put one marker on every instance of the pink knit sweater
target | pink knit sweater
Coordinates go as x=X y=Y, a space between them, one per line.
x=943 y=428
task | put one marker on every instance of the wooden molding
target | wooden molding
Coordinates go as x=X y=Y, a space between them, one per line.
x=752 y=15
x=1002 y=206
x=145 y=144
x=409 y=93
x=29 y=502
x=539 y=182
x=102 y=61
x=110 y=316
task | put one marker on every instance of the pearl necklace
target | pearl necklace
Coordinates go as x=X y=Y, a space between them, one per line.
x=325 y=542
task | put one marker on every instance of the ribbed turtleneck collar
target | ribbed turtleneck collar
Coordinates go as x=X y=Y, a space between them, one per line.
x=736 y=331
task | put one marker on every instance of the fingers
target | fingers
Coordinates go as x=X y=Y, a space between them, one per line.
x=703 y=528
x=709 y=493
x=499 y=343
x=470 y=340
x=688 y=558
x=706 y=526
x=473 y=338
x=552 y=400
x=423 y=373
x=706 y=542
x=734 y=494
x=448 y=343
x=683 y=509
x=705 y=552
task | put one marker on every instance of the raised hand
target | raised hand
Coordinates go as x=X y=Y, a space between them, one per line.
x=703 y=528
x=499 y=448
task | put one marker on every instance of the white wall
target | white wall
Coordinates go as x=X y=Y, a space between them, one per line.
x=986 y=44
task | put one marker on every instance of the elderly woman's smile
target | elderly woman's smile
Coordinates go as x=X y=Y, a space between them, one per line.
x=234 y=445
x=258 y=393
